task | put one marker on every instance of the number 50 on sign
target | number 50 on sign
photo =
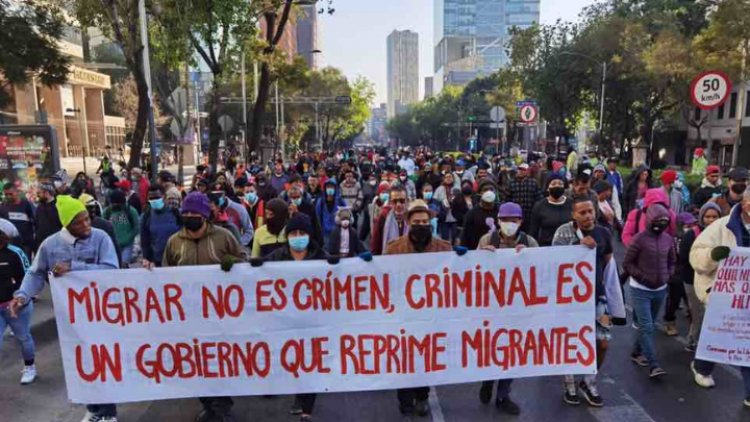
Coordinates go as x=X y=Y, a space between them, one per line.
x=710 y=89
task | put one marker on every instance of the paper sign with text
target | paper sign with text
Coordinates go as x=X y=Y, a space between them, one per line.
x=309 y=326
x=725 y=336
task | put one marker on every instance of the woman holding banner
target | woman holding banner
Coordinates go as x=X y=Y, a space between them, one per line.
x=299 y=247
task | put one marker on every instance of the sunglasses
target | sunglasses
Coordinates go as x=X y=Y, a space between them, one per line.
x=399 y=201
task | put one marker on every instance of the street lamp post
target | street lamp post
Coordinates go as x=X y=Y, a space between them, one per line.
x=603 y=64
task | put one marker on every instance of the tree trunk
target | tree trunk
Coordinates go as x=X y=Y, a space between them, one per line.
x=259 y=109
x=214 y=130
x=141 y=121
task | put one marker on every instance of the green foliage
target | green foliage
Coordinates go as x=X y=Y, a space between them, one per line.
x=28 y=45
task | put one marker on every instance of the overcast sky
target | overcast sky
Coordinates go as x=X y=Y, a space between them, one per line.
x=354 y=37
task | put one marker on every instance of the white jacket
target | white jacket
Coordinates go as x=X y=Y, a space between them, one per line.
x=717 y=234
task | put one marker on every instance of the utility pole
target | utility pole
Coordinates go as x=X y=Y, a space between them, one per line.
x=244 y=108
x=601 y=100
x=147 y=74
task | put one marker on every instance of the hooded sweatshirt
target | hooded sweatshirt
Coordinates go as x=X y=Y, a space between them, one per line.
x=684 y=270
x=636 y=221
x=650 y=258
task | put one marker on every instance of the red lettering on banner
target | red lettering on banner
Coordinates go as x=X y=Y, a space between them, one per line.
x=294 y=356
x=588 y=287
x=229 y=301
x=102 y=362
x=419 y=304
x=185 y=361
x=562 y=279
x=373 y=354
x=277 y=300
x=123 y=306
x=508 y=348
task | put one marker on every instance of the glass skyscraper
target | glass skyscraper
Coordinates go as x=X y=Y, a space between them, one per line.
x=470 y=36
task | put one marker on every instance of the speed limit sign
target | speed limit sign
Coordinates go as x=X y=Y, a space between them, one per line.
x=710 y=89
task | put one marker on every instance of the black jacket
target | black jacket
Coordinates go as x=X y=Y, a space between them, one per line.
x=355 y=246
x=46 y=221
x=13 y=265
x=475 y=225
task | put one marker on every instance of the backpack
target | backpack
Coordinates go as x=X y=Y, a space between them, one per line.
x=523 y=239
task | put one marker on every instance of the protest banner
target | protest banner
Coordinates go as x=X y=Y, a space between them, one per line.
x=309 y=326
x=725 y=335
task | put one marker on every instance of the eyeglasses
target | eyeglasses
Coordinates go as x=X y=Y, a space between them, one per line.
x=398 y=200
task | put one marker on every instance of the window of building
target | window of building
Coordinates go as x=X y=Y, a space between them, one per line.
x=733 y=106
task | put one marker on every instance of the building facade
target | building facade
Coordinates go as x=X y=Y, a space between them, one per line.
x=376 y=126
x=403 y=71
x=471 y=36
x=725 y=130
x=75 y=109
x=428 y=82
x=307 y=35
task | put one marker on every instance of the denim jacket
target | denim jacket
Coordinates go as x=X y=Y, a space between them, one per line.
x=97 y=252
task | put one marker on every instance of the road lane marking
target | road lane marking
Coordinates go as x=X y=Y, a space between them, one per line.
x=435 y=410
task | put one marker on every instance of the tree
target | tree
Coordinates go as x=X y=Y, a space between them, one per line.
x=28 y=46
x=275 y=15
x=119 y=20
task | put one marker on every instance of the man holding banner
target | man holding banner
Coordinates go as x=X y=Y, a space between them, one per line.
x=418 y=239
x=714 y=245
x=201 y=243
x=77 y=247
x=610 y=309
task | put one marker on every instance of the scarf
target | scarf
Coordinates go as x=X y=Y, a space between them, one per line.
x=706 y=184
x=390 y=229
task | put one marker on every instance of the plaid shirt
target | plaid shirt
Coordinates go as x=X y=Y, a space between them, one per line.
x=524 y=192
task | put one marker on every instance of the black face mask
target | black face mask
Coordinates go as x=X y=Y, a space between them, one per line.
x=739 y=188
x=556 y=192
x=659 y=226
x=192 y=223
x=420 y=235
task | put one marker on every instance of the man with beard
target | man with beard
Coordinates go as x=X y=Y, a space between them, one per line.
x=200 y=242
x=271 y=235
x=76 y=247
x=419 y=239
x=46 y=220
x=391 y=223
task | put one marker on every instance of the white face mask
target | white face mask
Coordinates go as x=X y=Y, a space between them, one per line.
x=678 y=184
x=489 y=197
x=508 y=229
x=345 y=224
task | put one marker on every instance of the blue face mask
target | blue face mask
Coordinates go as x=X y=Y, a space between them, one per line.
x=299 y=243
x=297 y=201
x=427 y=196
x=251 y=197
x=330 y=191
x=384 y=197
x=156 y=204
x=222 y=201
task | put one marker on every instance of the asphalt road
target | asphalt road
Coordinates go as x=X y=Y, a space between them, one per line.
x=629 y=395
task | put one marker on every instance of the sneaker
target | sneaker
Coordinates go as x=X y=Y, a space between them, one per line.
x=591 y=394
x=91 y=417
x=656 y=372
x=670 y=329
x=28 y=374
x=485 y=392
x=570 y=395
x=422 y=408
x=508 y=406
x=639 y=359
x=705 y=381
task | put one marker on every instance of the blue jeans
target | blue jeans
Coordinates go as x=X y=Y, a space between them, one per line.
x=21 y=327
x=705 y=367
x=646 y=305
